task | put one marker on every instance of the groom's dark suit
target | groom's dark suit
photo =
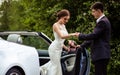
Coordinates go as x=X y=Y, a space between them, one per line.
x=99 y=40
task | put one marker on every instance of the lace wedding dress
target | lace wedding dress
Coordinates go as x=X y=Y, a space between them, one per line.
x=53 y=67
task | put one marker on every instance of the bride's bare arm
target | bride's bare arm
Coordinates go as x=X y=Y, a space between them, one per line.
x=57 y=30
x=66 y=48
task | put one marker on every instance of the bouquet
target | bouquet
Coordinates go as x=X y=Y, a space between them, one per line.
x=72 y=45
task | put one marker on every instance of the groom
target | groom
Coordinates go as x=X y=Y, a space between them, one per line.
x=99 y=40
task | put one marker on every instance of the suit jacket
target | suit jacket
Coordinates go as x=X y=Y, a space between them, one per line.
x=98 y=40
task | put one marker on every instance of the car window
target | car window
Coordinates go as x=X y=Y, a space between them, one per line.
x=36 y=42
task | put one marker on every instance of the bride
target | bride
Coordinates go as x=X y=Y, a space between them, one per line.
x=53 y=67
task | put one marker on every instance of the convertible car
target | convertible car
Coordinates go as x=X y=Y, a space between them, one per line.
x=23 y=52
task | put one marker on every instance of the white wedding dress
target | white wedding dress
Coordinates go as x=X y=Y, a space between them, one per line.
x=53 y=67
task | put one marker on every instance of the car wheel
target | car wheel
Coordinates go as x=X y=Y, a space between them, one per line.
x=14 y=71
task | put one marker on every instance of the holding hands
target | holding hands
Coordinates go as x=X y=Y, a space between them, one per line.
x=72 y=44
x=75 y=34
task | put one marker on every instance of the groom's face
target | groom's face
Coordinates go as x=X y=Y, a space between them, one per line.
x=95 y=13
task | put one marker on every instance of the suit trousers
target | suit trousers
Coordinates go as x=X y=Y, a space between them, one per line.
x=101 y=66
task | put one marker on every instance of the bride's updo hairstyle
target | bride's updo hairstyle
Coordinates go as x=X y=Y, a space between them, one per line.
x=62 y=13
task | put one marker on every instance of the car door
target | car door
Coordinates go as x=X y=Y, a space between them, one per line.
x=40 y=45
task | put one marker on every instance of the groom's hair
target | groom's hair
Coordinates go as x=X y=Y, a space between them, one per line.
x=98 y=5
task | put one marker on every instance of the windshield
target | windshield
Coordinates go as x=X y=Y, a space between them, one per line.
x=36 y=42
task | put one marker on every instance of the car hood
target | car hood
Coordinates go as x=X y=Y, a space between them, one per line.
x=10 y=47
x=16 y=54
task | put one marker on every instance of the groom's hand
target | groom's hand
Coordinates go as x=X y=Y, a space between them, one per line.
x=78 y=46
x=77 y=34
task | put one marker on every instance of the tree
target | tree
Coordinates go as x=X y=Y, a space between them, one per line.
x=39 y=15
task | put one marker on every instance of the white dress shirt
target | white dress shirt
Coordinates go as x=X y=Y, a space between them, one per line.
x=99 y=18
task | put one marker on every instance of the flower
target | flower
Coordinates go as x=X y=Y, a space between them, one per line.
x=71 y=43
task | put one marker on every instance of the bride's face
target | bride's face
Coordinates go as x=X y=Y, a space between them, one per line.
x=65 y=19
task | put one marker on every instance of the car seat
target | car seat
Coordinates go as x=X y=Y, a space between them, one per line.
x=15 y=38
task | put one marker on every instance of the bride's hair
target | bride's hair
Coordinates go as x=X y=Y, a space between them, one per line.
x=62 y=13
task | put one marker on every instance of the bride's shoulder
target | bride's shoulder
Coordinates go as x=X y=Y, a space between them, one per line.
x=55 y=25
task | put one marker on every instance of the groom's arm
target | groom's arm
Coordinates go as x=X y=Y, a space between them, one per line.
x=86 y=44
x=98 y=32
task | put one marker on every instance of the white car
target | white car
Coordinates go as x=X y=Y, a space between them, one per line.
x=23 y=52
x=16 y=59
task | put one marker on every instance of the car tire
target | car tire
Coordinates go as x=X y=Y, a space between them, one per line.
x=14 y=71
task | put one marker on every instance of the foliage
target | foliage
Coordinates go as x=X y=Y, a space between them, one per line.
x=39 y=15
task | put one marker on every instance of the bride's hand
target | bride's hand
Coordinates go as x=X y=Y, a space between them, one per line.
x=68 y=49
x=75 y=34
